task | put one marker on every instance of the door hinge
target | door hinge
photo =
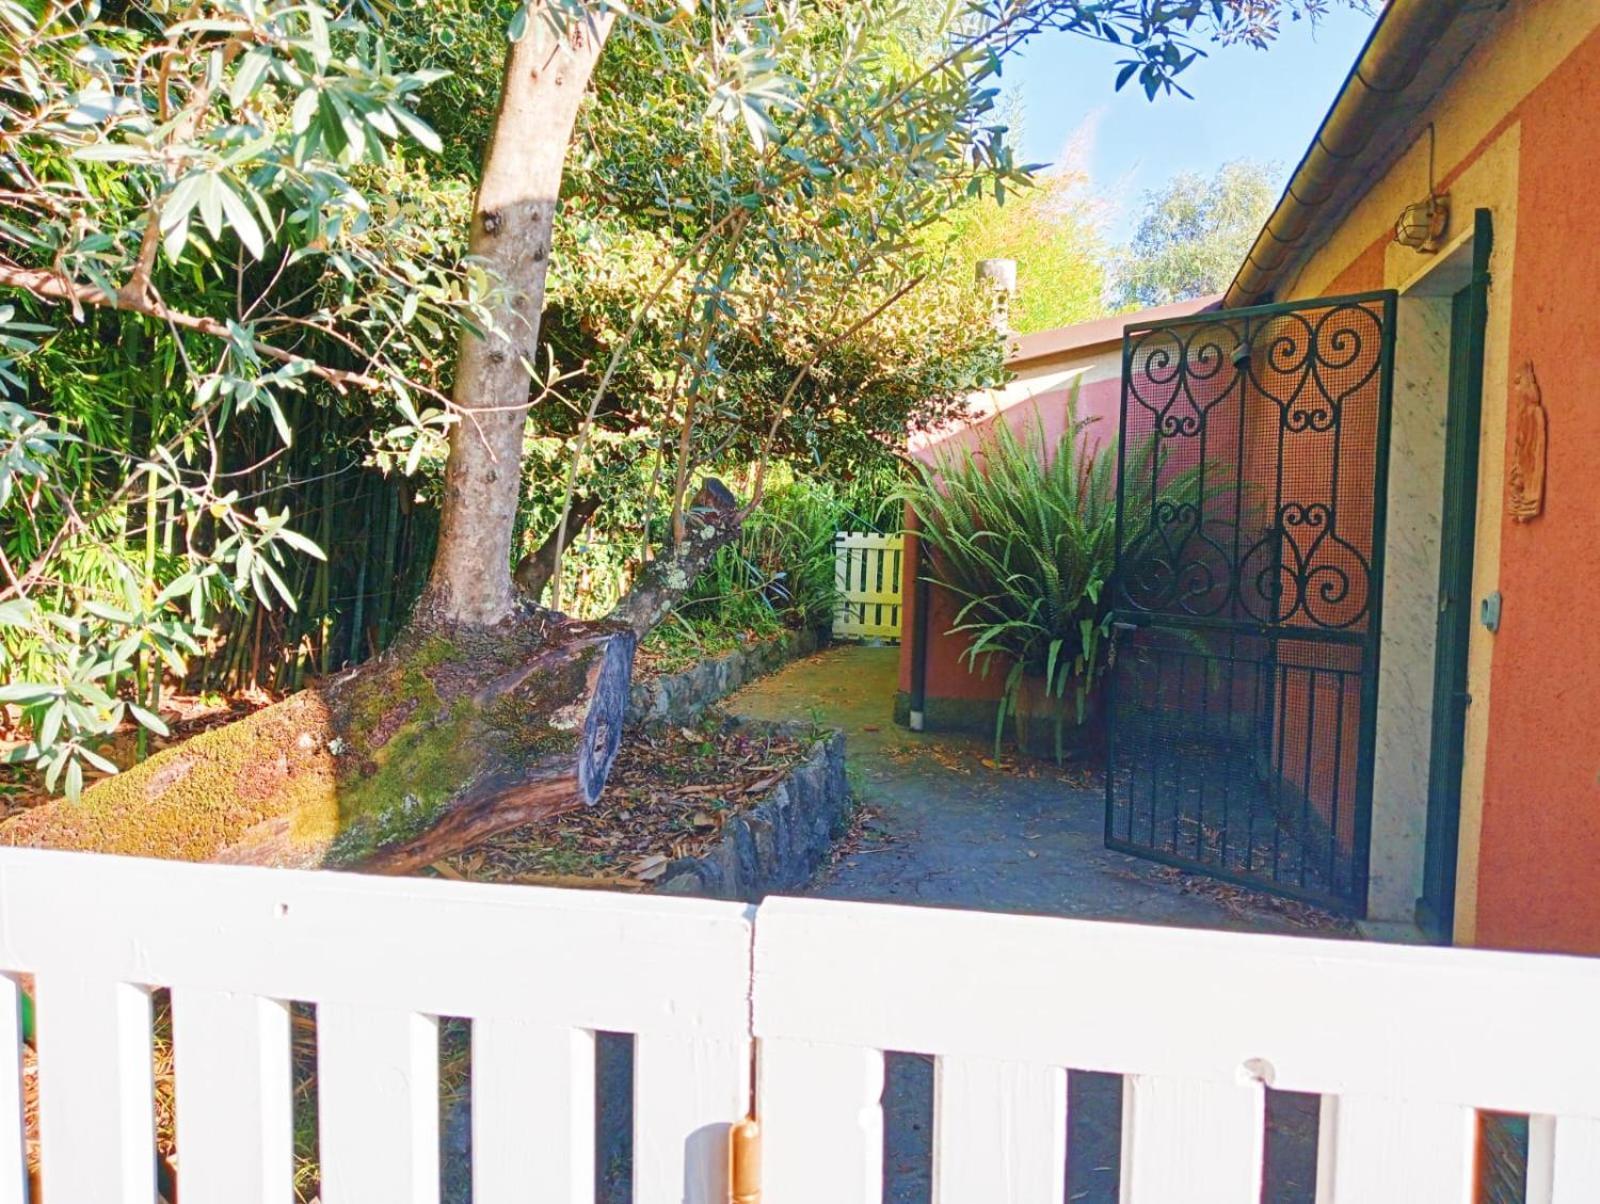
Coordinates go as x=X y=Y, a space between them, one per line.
x=744 y=1162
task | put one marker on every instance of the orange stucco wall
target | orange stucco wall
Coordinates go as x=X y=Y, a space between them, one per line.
x=1536 y=848
x=1539 y=869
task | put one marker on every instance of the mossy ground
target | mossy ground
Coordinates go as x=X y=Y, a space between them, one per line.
x=343 y=769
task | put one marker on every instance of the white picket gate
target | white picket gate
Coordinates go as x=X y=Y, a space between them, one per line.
x=1402 y=1043
x=537 y=971
x=866 y=569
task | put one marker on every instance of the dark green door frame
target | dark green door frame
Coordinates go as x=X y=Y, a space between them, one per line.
x=1469 y=313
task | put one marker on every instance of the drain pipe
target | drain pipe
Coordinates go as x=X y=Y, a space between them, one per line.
x=919 y=631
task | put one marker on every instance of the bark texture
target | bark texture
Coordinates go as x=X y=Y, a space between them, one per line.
x=449 y=737
x=714 y=519
x=546 y=77
x=535 y=569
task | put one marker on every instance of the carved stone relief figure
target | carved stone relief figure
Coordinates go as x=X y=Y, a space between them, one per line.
x=1529 y=437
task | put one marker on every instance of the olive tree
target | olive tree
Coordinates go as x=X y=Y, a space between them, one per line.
x=206 y=167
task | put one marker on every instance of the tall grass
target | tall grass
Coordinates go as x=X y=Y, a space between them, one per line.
x=780 y=570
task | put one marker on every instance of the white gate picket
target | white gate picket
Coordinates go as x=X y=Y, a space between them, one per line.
x=234 y=1107
x=821 y=1123
x=97 y=1128
x=13 y=1147
x=1563 y=1160
x=999 y=1132
x=377 y=1105
x=687 y=1095
x=1189 y=1141
x=532 y=1078
x=1386 y=1151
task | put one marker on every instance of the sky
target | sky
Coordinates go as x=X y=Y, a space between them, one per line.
x=1256 y=104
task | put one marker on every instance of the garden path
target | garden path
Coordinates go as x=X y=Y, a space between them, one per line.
x=945 y=826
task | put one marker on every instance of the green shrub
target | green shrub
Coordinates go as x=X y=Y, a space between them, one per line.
x=1025 y=540
x=780 y=570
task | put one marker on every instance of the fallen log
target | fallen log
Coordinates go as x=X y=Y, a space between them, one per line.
x=446 y=738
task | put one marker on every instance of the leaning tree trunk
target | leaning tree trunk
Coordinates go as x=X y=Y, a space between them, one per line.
x=487 y=713
x=448 y=737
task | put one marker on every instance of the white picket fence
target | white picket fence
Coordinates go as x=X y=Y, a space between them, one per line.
x=1402 y=1043
x=866 y=569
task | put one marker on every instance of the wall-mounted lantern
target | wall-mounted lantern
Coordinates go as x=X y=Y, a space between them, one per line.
x=1422 y=225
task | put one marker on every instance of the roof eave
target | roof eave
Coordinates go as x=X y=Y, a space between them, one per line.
x=1413 y=50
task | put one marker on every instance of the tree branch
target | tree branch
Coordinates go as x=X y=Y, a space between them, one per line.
x=714 y=520
x=533 y=571
x=48 y=286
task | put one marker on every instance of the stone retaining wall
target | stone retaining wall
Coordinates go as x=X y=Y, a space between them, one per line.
x=779 y=843
x=680 y=697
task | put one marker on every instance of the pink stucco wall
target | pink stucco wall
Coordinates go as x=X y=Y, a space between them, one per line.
x=948 y=675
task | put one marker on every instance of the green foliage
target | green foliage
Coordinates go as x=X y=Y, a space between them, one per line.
x=780 y=570
x=1052 y=231
x=234 y=267
x=1194 y=234
x=1024 y=537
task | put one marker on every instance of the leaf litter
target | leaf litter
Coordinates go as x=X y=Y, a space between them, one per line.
x=669 y=795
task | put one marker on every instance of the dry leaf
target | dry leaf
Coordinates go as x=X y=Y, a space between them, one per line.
x=648 y=869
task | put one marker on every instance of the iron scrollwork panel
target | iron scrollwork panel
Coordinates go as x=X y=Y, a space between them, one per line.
x=1237 y=468
x=1250 y=481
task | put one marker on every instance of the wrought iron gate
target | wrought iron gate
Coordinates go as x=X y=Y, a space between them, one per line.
x=1252 y=466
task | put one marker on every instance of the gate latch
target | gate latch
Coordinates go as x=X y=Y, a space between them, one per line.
x=1489 y=612
x=744 y=1158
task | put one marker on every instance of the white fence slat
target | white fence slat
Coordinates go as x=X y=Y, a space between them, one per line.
x=1373 y=1150
x=402 y=944
x=377 y=1105
x=1563 y=1160
x=999 y=1132
x=687 y=1095
x=234 y=1097
x=96 y=1090
x=821 y=1113
x=1184 y=1003
x=13 y=1147
x=1188 y=1141
x=533 y=1097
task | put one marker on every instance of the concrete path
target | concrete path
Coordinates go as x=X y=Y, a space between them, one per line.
x=945 y=829
x=948 y=830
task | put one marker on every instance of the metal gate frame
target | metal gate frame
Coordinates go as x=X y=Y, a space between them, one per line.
x=1128 y=618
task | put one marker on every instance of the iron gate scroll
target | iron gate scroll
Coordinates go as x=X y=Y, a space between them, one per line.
x=1253 y=466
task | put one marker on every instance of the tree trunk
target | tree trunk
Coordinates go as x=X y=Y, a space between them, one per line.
x=713 y=520
x=546 y=77
x=488 y=713
x=445 y=739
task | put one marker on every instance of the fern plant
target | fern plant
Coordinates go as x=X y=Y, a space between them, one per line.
x=1024 y=537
